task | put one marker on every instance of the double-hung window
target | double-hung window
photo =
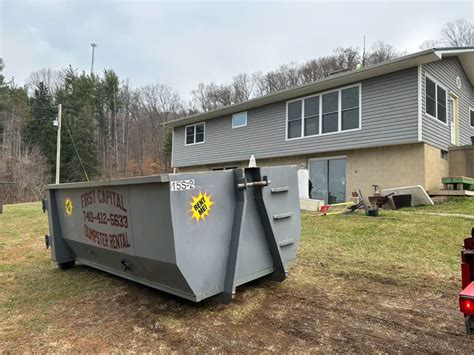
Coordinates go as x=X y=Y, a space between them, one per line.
x=195 y=133
x=350 y=108
x=294 y=118
x=435 y=100
x=331 y=112
x=311 y=116
x=334 y=111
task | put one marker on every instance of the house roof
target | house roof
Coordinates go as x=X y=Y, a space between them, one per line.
x=465 y=54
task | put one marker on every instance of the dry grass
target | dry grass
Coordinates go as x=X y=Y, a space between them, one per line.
x=360 y=285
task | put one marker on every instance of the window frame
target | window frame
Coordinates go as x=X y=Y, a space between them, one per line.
x=471 y=111
x=304 y=118
x=242 y=125
x=194 y=125
x=436 y=82
x=301 y=118
x=339 y=113
x=332 y=157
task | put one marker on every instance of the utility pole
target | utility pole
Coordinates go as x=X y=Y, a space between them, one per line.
x=58 y=144
x=93 y=45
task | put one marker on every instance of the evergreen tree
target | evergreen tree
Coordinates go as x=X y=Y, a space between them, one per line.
x=39 y=128
x=78 y=99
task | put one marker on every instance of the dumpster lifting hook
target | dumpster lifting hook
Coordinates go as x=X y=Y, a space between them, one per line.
x=263 y=183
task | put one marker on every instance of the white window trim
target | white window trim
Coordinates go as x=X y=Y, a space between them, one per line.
x=242 y=125
x=471 y=109
x=436 y=100
x=194 y=124
x=339 y=118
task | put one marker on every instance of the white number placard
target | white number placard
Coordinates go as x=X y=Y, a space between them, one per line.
x=180 y=185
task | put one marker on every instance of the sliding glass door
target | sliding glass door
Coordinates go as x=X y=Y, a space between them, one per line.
x=328 y=180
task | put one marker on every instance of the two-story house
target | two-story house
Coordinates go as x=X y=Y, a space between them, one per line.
x=389 y=124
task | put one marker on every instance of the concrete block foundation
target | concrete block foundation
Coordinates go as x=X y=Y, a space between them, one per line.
x=388 y=167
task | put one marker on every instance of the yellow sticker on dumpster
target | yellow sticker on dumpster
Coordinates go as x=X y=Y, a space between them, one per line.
x=68 y=206
x=201 y=206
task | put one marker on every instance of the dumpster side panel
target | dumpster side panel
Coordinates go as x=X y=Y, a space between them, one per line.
x=151 y=222
x=153 y=235
x=166 y=277
x=202 y=242
x=124 y=229
x=96 y=217
x=254 y=258
x=287 y=229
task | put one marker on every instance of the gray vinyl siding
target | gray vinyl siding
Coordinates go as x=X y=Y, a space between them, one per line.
x=445 y=72
x=389 y=116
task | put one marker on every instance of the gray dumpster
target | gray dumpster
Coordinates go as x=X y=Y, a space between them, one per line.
x=193 y=235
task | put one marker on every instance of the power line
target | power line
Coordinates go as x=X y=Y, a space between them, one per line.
x=75 y=148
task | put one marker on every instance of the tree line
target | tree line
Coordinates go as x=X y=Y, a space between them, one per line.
x=110 y=130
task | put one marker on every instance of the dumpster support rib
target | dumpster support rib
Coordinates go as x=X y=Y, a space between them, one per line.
x=237 y=227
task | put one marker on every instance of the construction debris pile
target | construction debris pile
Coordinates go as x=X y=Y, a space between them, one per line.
x=394 y=198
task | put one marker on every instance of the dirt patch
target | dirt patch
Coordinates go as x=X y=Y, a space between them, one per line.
x=355 y=317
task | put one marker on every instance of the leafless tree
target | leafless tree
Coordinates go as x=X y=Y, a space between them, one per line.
x=346 y=58
x=159 y=104
x=319 y=68
x=284 y=77
x=242 y=87
x=381 y=52
x=430 y=43
x=52 y=79
x=458 y=33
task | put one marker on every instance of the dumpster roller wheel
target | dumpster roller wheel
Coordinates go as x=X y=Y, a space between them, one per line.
x=67 y=265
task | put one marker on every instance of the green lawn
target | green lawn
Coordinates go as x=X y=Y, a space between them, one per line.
x=360 y=284
x=460 y=205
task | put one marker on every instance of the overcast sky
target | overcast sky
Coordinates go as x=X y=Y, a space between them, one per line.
x=184 y=43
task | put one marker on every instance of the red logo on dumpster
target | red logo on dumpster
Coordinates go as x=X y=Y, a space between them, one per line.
x=105 y=218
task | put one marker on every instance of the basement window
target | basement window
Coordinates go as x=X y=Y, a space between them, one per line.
x=195 y=133
x=444 y=154
x=435 y=100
